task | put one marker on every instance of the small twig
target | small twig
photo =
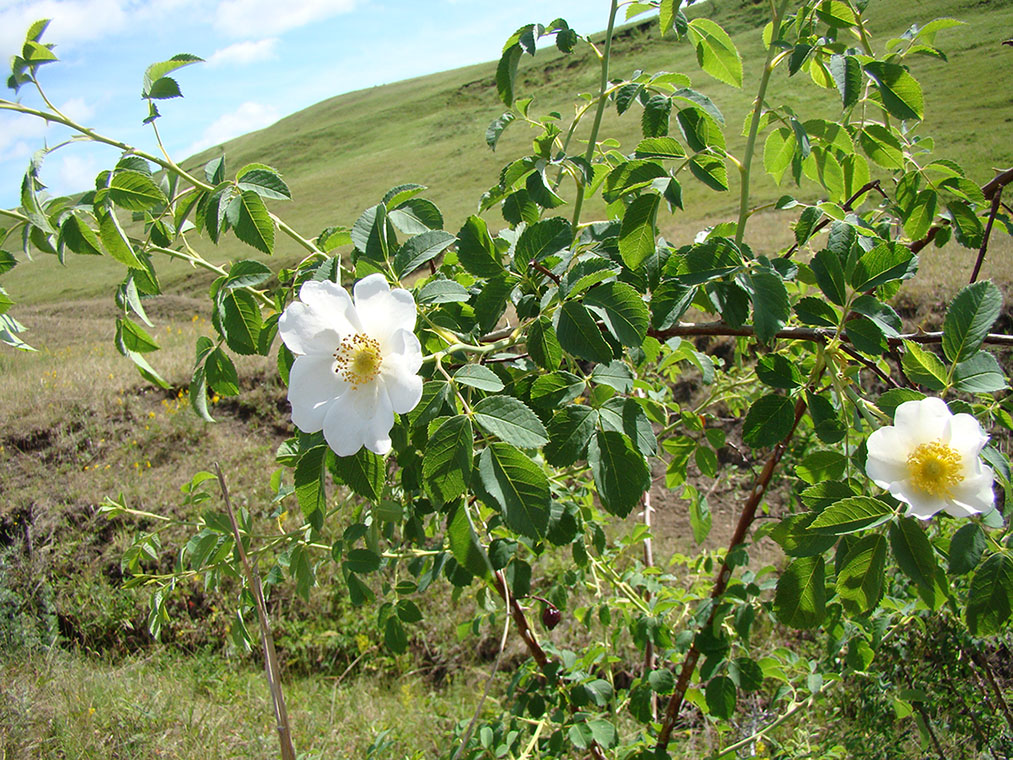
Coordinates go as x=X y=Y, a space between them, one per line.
x=724 y=575
x=720 y=329
x=270 y=655
x=873 y=185
x=996 y=690
x=870 y=366
x=540 y=268
x=993 y=212
x=502 y=359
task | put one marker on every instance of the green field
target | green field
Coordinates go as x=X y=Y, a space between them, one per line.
x=77 y=424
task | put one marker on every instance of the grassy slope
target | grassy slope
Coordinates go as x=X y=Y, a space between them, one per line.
x=341 y=155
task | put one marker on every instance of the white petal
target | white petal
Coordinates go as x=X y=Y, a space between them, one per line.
x=319 y=320
x=405 y=345
x=887 y=460
x=966 y=436
x=361 y=417
x=973 y=495
x=383 y=311
x=920 y=505
x=923 y=420
x=312 y=387
x=404 y=388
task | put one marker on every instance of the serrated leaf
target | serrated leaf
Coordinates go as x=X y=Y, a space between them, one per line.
x=882 y=146
x=979 y=374
x=221 y=373
x=860 y=579
x=511 y=420
x=631 y=176
x=517 y=487
x=966 y=548
x=991 y=595
x=443 y=291
x=901 y=93
x=715 y=51
x=115 y=240
x=852 y=514
x=579 y=334
x=310 y=480
x=620 y=472
x=364 y=472
x=969 y=318
x=637 y=232
x=156 y=71
x=711 y=171
x=921 y=214
x=570 y=430
x=495 y=129
x=264 y=181
x=771 y=309
x=914 y=553
x=252 y=223
x=543 y=344
x=660 y=147
x=769 y=421
x=847 y=74
x=240 y=321
x=543 y=239
x=923 y=367
x=476 y=249
x=720 y=696
x=135 y=191
x=419 y=249
x=778 y=152
x=800 y=598
x=447 y=461
x=884 y=263
x=506 y=73
x=479 y=376
x=623 y=311
x=465 y=545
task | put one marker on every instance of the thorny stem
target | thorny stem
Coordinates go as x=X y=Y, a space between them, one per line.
x=270 y=656
x=993 y=212
x=754 y=127
x=724 y=575
x=602 y=98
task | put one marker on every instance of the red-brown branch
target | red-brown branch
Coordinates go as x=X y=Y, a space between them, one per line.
x=720 y=329
x=724 y=575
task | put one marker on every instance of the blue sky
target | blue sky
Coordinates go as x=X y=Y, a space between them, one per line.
x=262 y=63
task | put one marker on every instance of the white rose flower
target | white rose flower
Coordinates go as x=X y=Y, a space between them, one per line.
x=929 y=459
x=356 y=361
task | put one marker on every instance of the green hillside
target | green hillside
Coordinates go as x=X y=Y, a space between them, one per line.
x=341 y=155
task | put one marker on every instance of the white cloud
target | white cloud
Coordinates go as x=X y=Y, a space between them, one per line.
x=21 y=134
x=248 y=117
x=245 y=52
x=74 y=173
x=257 y=18
x=73 y=21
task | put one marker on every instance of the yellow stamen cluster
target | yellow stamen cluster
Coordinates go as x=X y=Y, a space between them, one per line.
x=358 y=359
x=935 y=468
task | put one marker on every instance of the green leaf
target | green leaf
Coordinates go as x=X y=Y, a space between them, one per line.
x=570 y=430
x=156 y=71
x=556 y=388
x=771 y=309
x=847 y=74
x=131 y=337
x=264 y=181
x=901 y=93
x=800 y=598
x=517 y=487
x=543 y=239
x=443 y=291
x=310 y=480
x=476 y=249
x=465 y=545
x=769 y=421
x=851 y=515
x=135 y=191
x=882 y=146
x=631 y=176
x=969 y=318
x=921 y=214
x=623 y=311
x=979 y=374
x=710 y=170
x=247 y=273
x=419 y=249
x=923 y=367
x=511 y=420
x=615 y=374
x=720 y=697
x=394 y=636
x=620 y=472
x=660 y=147
x=370 y=233
x=240 y=321
x=885 y=262
x=579 y=334
x=221 y=373
x=715 y=51
x=364 y=472
x=115 y=240
x=860 y=580
x=252 y=223
x=495 y=129
x=479 y=376
x=836 y=13
x=991 y=595
x=79 y=237
x=447 y=460
x=654 y=120
x=778 y=152
x=914 y=553
x=637 y=232
x=543 y=345
x=817 y=312
x=777 y=371
x=415 y=216
x=797 y=541
x=966 y=226
x=506 y=73
x=966 y=548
